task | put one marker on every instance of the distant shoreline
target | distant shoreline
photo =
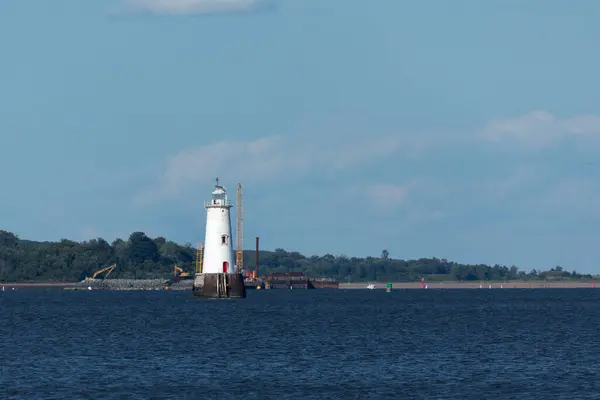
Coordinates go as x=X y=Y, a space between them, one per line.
x=37 y=284
x=476 y=285
x=398 y=285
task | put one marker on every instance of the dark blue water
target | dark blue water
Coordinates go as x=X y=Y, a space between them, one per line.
x=334 y=344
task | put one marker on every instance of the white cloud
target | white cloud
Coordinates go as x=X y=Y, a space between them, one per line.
x=387 y=196
x=576 y=195
x=195 y=6
x=583 y=125
x=536 y=191
x=509 y=188
x=381 y=196
x=539 y=185
x=540 y=129
x=267 y=159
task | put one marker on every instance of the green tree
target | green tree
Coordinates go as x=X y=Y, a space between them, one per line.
x=385 y=254
x=141 y=248
x=143 y=257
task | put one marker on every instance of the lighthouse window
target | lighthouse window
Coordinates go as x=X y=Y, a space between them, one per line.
x=224 y=239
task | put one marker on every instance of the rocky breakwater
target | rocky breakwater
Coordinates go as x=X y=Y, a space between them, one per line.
x=120 y=284
x=182 y=285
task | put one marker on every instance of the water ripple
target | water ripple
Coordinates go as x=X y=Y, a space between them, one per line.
x=342 y=344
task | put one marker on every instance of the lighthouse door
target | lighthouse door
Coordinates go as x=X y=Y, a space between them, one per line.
x=225 y=266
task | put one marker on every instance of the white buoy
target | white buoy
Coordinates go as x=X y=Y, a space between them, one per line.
x=490 y=287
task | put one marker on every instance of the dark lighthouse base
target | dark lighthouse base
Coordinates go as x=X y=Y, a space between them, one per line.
x=219 y=286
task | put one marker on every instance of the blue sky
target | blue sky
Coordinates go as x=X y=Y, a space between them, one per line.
x=462 y=129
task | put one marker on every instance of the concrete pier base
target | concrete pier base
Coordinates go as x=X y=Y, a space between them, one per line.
x=218 y=286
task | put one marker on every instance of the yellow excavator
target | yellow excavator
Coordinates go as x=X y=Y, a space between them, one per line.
x=108 y=270
x=179 y=273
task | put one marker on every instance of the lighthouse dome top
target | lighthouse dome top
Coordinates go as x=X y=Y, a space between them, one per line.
x=219 y=197
x=219 y=191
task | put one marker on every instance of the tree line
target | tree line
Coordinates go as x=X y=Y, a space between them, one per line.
x=142 y=257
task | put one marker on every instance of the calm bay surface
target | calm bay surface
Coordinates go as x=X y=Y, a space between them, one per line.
x=316 y=344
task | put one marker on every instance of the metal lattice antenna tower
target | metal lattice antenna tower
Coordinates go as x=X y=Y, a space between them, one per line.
x=239 y=229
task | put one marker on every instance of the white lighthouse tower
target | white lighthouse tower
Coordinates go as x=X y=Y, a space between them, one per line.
x=218 y=253
x=219 y=276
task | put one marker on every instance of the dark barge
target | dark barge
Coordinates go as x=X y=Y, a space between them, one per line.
x=297 y=280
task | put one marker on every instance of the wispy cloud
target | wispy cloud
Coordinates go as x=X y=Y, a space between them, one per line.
x=269 y=159
x=499 y=190
x=534 y=191
x=575 y=195
x=540 y=129
x=388 y=196
x=196 y=6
